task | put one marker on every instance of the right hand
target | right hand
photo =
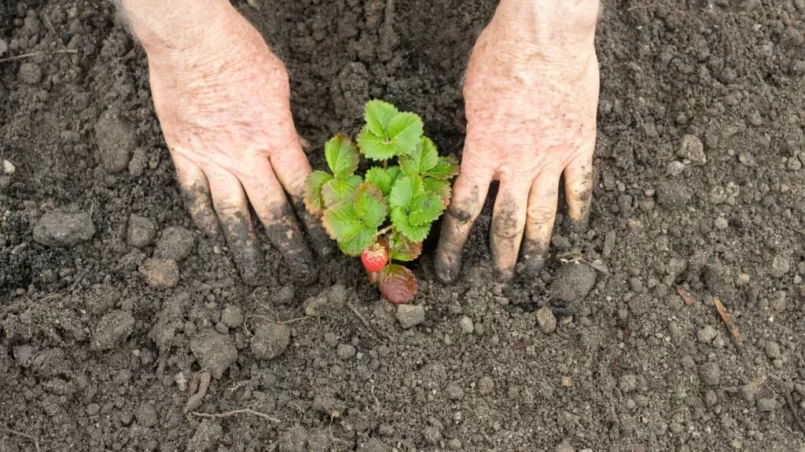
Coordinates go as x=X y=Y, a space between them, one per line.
x=224 y=108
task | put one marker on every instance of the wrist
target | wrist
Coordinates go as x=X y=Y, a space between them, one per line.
x=166 y=29
x=548 y=28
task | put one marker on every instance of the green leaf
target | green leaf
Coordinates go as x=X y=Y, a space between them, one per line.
x=412 y=232
x=440 y=187
x=446 y=168
x=402 y=249
x=370 y=206
x=401 y=137
x=381 y=177
x=425 y=208
x=378 y=114
x=403 y=191
x=342 y=156
x=375 y=147
x=355 y=245
x=397 y=284
x=313 y=184
x=405 y=130
x=422 y=159
x=338 y=190
x=341 y=221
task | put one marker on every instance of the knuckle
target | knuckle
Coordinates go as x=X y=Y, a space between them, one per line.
x=540 y=214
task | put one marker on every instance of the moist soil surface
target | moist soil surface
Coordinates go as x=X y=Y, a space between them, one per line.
x=121 y=326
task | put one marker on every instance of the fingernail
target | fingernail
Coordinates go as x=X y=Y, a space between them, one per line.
x=447 y=272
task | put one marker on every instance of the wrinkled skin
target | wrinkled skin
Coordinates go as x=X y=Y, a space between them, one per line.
x=531 y=118
x=225 y=114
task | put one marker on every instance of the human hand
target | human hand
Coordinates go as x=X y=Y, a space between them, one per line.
x=531 y=96
x=223 y=102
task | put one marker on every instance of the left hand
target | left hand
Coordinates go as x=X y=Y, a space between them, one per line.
x=531 y=118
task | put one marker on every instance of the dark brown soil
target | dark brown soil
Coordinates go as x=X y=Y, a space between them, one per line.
x=94 y=358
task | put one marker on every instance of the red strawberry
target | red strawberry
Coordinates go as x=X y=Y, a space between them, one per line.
x=375 y=258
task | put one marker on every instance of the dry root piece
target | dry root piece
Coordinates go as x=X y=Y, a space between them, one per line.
x=198 y=387
x=722 y=311
x=685 y=297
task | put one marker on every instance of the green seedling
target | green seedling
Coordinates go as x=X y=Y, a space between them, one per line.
x=385 y=214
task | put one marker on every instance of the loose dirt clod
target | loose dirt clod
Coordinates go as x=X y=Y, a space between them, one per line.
x=270 y=340
x=214 y=352
x=59 y=228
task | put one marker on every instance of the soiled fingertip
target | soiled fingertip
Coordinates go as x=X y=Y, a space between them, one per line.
x=244 y=248
x=532 y=260
x=447 y=269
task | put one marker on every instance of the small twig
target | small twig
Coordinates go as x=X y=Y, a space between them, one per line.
x=685 y=297
x=33 y=54
x=235 y=413
x=722 y=311
x=365 y=322
x=359 y=315
x=24 y=435
x=793 y=408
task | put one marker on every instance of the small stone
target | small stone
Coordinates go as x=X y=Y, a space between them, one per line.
x=674 y=168
x=747 y=159
x=573 y=282
x=486 y=386
x=710 y=398
x=721 y=223
x=270 y=340
x=160 y=273
x=432 y=435
x=454 y=392
x=691 y=148
x=409 y=315
x=636 y=284
x=142 y=231
x=232 y=316
x=454 y=444
x=627 y=383
x=138 y=162
x=546 y=320
x=30 y=73
x=93 y=409
x=146 y=415
x=767 y=404
x=113 y=328
x=466 y=325
x=780 y=265
x=706 y=334
x=214 y=352
x=565 y=447
x=710 y=373
x=346 y=351
x=9 y=167
x=61 y=229
x=176 y=243
x=331 y=339
x=773 y=350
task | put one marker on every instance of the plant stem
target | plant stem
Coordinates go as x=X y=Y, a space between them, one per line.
x=385 y=230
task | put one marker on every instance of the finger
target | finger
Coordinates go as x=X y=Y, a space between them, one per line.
x=269 y=202
x=196 y=194
x=508 y=224
x=540 y=217
x=291 y=168
x=579 y=191
x=232 y=208
x=469 y=193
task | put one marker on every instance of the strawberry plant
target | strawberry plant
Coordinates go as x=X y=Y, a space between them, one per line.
x=385 y=214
